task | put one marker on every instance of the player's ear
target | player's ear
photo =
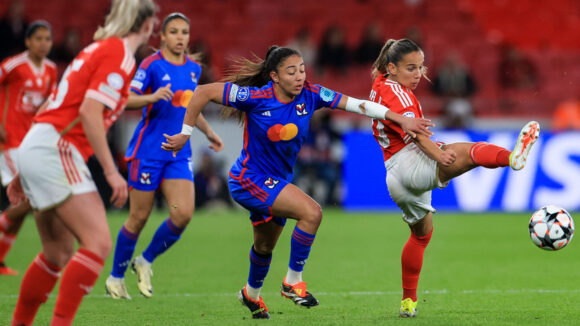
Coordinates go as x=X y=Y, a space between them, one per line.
x=274 y=76
x=392 y=68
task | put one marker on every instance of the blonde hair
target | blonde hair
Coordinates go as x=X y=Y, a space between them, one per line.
x=126 y=16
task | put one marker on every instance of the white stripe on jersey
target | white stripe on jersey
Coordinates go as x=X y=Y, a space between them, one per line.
x=100 y=97
x=403 y=97
x=128 y=60
x=384 y=141
x=15 y=62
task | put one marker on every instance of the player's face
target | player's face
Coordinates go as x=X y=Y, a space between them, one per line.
x=39 y=43
x=409 y=70
x=290 y=75
x=176 y=36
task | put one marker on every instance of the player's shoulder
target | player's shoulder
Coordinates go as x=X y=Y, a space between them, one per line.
x=151 y=61
x=14 y=61
x=311 y=87
x=49 y=63
x=111 y=52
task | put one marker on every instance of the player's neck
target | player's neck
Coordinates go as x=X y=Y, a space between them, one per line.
x=283 y=96
x=36 y=61
x=172 y=57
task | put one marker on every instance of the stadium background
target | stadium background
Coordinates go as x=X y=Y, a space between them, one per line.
x=483 y=35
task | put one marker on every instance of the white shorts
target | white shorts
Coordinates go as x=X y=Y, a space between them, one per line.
x=8 y=160
x=411 y=175
x=51 y=168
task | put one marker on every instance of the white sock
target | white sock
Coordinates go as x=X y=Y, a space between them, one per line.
x=253 y=293
x=293 y=277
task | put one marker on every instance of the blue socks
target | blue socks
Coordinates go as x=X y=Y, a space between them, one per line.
x=165 y=236
x=259 y=266
x=300 y=249
x=123 y=252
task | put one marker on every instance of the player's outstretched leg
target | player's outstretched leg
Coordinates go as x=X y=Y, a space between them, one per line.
x=257 y=308
x=527 y=137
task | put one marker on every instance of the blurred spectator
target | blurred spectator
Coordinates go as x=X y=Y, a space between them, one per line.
x=454 y=84
x=208 y=75
x=211 y=189
x=64 y=52
x=567 y=115
x=303 y=43
x=515 y=70
x=370 y=44
x=318 y=169
x=12 y=28
x=332 y=52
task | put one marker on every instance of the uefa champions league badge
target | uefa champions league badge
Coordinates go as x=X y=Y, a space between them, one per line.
x=409 y=114
x=243 y=94
x=115 y=81
x=326 y=94
x=140 y=75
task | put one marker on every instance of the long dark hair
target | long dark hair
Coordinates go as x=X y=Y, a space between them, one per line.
x=393 y=51
x=255 y=73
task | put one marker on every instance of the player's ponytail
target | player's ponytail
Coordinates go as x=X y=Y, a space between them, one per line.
x=380 y=64
x=126 y=16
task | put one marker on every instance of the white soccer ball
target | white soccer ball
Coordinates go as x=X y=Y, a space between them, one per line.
x=551 y=228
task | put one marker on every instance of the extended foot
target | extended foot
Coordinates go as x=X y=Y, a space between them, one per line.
x=298 y=294
x=5 y=270
x=527 y=137
x=116 y=288
x=408 y=308
x=142 y=268
x=257 y=308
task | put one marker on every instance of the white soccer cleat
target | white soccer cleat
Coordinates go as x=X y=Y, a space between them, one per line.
x=116 y=288
x=527 y=137
x=142 y=268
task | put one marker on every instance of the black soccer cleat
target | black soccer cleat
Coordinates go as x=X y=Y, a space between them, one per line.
x=257 y=308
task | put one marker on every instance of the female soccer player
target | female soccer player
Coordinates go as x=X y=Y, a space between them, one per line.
x=53 y=171
x=276 y=102
x=415 y=166
x=26 y=81
x=163 y=84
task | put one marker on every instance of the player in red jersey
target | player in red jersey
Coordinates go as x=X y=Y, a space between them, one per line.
x=53 y=171
x=26 y=80
x=415 y=166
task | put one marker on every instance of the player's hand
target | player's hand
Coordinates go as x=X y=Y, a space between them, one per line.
x=414 y=126
x=2 y=134
x=447 y=157
x=15 y=192
x=119 y=187
x=216 y=143
x=163 y=93
x=174 y=143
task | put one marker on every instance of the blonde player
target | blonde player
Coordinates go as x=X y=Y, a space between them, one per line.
x=53 y=171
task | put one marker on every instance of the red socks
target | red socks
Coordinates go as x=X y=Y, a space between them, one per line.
x=489 y=155
x=37 y=283
x=5 y=244
x=411 y=262
x=78 y=279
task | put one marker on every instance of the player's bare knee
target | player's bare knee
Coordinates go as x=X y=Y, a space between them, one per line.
x=264 y=248
x=314 y=214
x=180 y=216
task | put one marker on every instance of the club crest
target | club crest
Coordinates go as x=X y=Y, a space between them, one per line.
x=301 y=109
x=271 y=183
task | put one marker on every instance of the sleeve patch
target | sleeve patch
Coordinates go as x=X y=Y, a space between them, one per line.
x=326 y=94
x=140 y=75
x=409 y=114
x=115 y=81
x=243 y=94
x=232 y=94
x=137 y=84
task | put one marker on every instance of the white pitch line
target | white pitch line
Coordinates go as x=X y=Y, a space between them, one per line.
x=353 y=293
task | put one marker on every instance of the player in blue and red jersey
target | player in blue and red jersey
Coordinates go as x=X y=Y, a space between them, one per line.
x=276 y=103
x=162 y=86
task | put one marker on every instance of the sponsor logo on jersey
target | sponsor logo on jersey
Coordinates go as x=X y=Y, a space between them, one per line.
x=243 y=94
x=271 y=182
x=193 y=77
x=137 y=84
x=28 y=83
x=140 y=75
x=166 y=77
x=181 y=98
x=326 y=94
x=409 y=114
x=279 y=132
x=267 y=114
x=233 y=92
x=145 y=178
x=115 y=80
x=301 y=109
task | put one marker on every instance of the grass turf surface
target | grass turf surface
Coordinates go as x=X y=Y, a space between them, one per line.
x=479 y=269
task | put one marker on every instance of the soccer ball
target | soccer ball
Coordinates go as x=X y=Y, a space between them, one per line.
x=551 y=228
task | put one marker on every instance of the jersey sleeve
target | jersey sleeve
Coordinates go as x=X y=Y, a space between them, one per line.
x=398 y=101
x=3 y=73
x=142 y=78
x=241 y=97
x=109 y=77
x=324 y=97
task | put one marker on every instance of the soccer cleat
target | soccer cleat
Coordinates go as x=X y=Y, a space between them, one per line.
x=257 y=308
x=408 y=308
x=116 y=288
x=527 y=137
x=5 y=270
x=142 y=268
x=298 y=294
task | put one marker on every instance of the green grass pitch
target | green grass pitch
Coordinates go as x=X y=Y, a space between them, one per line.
x=479 y=269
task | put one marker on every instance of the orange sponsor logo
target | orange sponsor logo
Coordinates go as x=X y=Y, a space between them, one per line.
x=181 y=98
x=281 y=132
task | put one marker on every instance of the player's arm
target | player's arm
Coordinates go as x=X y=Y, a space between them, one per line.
x=137 y=101
x=411 y=126
x=202 y=95
x=216 y=142
x=444 y=157
x=91 y=114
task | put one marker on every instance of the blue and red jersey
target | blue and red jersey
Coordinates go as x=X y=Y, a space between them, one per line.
x=274 y=131
x=163 y=116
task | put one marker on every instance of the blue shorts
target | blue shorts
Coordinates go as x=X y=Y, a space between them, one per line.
x=147 y=175
x=257 y=192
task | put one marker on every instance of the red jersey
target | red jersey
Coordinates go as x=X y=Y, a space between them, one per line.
x=102 y=71
x=401 y=100
x=23 y=89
